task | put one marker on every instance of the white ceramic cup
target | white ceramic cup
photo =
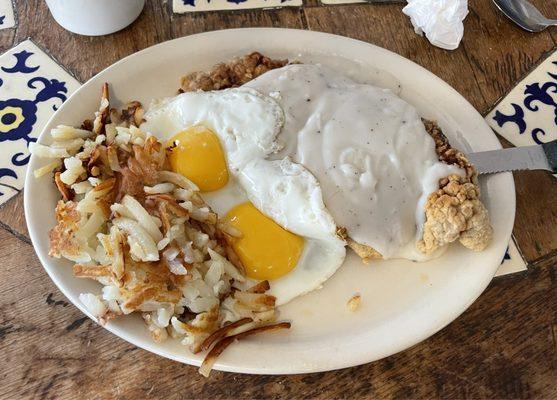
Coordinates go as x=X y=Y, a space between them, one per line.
x=95 y=17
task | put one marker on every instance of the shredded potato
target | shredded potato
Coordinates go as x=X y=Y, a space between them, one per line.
x=47 y=168
x=159 y=188
x=142 y=217
x=147 y=236
x=142 y=245
x=43 y=151
x=74 y=169
x=71 y=145
x=63 y=132
x=223 y=344
x=82 y=187
x=178 y=180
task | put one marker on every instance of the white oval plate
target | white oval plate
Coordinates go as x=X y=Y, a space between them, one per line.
x=402 y=302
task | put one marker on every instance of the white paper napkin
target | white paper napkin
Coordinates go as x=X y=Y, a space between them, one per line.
x=439 y=20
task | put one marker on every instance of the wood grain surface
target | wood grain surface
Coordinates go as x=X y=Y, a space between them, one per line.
x=503 y=346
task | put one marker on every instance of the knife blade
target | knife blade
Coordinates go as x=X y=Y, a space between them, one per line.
x=542 y=156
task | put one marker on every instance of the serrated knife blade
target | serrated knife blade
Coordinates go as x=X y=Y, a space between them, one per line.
x=517 y=158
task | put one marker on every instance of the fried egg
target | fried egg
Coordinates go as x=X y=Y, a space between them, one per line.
x=221 y=141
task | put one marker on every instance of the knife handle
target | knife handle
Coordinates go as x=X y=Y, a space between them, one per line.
x=550 y=150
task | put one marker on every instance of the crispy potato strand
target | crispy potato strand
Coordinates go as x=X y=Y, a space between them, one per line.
x=216 y=351
x=260 y=287
x=65 y=191
x=223 y=332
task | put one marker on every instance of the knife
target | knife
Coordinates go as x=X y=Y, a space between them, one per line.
x=542 y=156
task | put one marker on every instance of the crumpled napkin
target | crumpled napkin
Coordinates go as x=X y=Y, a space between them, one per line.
x=440 y=20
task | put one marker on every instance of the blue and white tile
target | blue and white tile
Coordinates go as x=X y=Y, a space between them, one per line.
x=32 y=87
x=184 y=6
x=7 y=192
x=327 y=2
x=525 y=117
x=528 y=114
x=7 y=17
x=512 y=261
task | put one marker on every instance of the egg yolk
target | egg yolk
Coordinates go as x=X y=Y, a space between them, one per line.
x=266 y=250
x=197 y=154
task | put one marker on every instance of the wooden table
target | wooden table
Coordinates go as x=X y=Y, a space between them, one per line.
x=504 y=346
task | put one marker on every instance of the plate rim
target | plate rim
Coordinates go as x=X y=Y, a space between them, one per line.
x=230 y=367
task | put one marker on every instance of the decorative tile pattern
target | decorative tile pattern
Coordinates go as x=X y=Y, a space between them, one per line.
x=341 y=1
x=183 y=6
x=512 y=261
x=7 y=18
x=32 y=87
x=7 y=192
x=525 y=117
x=528 y=114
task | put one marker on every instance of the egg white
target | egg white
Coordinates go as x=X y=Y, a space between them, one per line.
x=247 y=124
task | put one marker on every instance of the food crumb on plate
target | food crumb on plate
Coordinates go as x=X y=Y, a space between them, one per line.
x=354 y=303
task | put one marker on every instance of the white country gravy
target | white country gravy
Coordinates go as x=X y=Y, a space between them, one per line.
x=367 y=147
